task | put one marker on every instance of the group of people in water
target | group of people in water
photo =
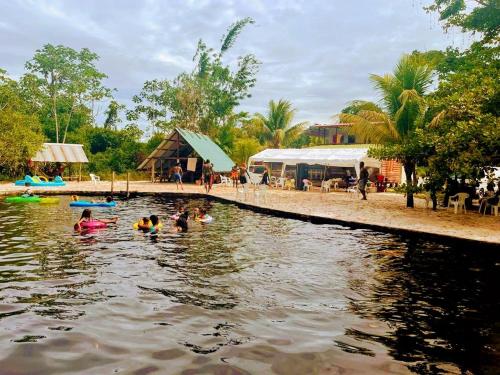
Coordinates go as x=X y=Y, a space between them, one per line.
x=151 y=224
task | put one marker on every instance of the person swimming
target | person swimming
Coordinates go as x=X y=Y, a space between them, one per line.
x=196 y=214
x=204 y=217
x=74 y=198
x=87 y=217
x=28 y=193
x=155 y=224
x=181 y=224
x=144 y=223
x=109 y=199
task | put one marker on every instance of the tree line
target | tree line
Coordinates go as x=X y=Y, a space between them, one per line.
x=450 y=131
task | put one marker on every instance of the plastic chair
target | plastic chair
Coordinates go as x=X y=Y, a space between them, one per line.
x=458 y=202
x=280 y=182
x=225 y=181
x=494 y=208
x=243 y=191
x=95 y=179
x=290 y=184
x=260 y=192
x=326 y=186
x=307 y=185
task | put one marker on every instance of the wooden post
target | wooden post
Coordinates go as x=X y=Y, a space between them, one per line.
x=80 y=172
x=128 y=179
x=112 y=182
x=153 y=170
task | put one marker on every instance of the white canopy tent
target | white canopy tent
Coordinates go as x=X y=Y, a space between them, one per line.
x=335 y=157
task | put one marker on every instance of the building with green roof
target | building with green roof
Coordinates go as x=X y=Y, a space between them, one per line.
x=179 y=147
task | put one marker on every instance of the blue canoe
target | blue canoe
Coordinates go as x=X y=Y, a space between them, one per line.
x=92 y=204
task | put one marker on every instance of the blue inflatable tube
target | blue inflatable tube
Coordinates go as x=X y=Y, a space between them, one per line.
x=92 y=204
x=35 y=181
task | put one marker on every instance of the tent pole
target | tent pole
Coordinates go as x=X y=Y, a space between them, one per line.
x=153 y=170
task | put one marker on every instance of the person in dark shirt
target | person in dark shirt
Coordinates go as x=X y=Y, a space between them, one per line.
x=363 y=179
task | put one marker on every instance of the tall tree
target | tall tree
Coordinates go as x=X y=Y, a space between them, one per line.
x=20 y=131
x=67 y=78
x=277 y=125
x=113 y=115
x=204 y=99
x=404 y=109
x=482 y=16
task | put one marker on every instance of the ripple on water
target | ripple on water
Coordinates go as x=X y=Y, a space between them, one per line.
x=247 y=294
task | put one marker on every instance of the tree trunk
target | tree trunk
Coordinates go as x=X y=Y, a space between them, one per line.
x=409 y=168
x=54 y=105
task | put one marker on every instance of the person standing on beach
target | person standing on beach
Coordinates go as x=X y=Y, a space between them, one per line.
x=208 y=174
x=177 y=173
x=235 y=175
x=363 y=179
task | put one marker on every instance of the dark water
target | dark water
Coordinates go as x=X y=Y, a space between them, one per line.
x=246 y=294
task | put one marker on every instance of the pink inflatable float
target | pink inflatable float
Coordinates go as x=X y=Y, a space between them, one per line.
x=94 y=224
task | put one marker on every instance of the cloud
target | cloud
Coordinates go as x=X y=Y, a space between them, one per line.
x=316 y=53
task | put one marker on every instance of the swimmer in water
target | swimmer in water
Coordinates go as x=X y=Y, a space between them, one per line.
x=87 y=216
x=144 y=223
x=181 y=224
x=155 y=224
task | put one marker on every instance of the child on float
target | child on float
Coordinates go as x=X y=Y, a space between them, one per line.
x=87 y=217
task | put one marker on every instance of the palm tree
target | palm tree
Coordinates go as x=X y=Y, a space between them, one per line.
x=276 y=126
x=403 y=112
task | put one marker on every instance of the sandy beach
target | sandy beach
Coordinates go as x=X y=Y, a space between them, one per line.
x=385 y=210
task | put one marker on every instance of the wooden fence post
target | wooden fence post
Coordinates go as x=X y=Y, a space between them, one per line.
x=112 y=182
x=128 y=182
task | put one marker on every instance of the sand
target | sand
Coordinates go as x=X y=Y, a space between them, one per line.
x=382 y=209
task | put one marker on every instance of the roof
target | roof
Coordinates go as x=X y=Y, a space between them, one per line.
x=339 y=157
x=339 y=125
x=62 y=153
x=200 y=143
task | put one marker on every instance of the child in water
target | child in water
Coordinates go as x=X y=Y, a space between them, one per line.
x=87 y=216
x=155 y=224
x=196 y=214
x=181 y=224
x=144 y=223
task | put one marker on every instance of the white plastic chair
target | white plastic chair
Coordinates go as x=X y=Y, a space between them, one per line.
x=260 y=192
x=494 y=208
x=307 y=185
x=353 y=191
x=280 y=182
x=243 y=191
x=458 y=202
x=95 y=179
x=225 y=181
x=326 y=186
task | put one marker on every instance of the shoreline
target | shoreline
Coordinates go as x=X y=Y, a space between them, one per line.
x=383 y=212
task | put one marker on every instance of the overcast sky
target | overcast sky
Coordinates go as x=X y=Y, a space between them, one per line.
x=318 y=54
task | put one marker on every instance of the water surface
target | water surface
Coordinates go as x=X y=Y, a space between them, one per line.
x=247 y=294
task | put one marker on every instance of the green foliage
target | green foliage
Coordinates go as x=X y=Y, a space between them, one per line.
x=466 y=139
x=481 y=16
x=20 y=131
x=277 y=125
x=244 y=148
x=65 y=81
x=357 y=106
x=396 y=130
x=203 y=100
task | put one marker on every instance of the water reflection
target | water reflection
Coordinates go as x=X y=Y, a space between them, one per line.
x=246 y=294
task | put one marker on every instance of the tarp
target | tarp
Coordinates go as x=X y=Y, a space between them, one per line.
x=200 y=143
x=338 y=157
x=62 y=153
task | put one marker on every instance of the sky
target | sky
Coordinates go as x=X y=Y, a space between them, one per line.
x=316 y=53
